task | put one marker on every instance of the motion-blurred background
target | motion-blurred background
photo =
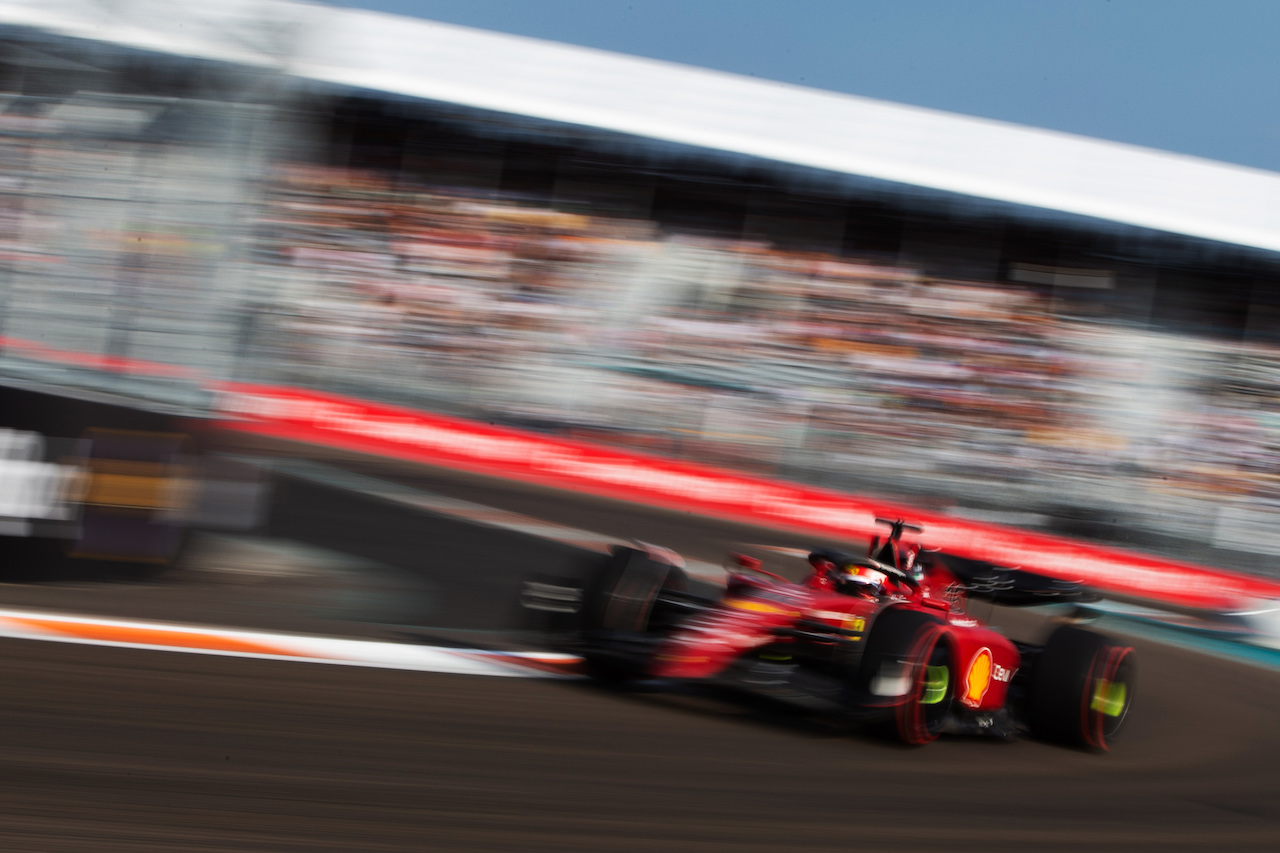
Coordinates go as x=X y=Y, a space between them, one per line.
x=320 y=325
x=1007 y=324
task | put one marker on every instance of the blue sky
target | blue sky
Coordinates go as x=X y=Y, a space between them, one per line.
x=1191 y=76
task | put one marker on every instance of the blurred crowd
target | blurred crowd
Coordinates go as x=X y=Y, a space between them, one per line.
x=806 y=364
x=843 y=371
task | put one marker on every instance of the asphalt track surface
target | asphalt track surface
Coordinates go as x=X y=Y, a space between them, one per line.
x=112 y=749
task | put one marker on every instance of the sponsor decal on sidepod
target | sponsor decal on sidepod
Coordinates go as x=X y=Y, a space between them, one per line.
x=982 y=670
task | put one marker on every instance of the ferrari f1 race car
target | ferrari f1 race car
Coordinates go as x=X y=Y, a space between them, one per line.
x=883 y=639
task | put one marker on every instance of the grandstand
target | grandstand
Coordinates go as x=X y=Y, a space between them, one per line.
x=1009 y=322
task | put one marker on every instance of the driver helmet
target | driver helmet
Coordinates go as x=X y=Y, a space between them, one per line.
x=853 y=579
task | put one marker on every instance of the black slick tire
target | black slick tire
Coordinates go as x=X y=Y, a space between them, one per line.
x=621 y=607
x=1081 y=689
x=912 y=647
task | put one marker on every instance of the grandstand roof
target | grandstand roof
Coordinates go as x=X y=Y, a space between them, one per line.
x=692 y=106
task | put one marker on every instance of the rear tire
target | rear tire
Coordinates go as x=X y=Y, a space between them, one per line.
x=624 y=595
x=1081 y=689
x=913 y=650
x=622 y=609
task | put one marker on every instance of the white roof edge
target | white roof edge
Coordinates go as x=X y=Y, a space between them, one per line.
x=712 y=109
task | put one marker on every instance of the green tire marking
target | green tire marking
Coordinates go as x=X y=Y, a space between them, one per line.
x=1108 y=697
x=936 y=679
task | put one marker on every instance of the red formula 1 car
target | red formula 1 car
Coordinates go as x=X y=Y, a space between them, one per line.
x=884 y=639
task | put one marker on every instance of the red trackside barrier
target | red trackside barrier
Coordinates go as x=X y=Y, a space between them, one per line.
x=401 y=433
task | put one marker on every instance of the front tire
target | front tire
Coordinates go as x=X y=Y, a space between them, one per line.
x=1081 y=689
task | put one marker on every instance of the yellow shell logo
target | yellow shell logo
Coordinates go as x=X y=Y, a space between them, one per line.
x=978 y=678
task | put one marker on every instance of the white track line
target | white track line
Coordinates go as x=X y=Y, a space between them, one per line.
x=66 y=628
